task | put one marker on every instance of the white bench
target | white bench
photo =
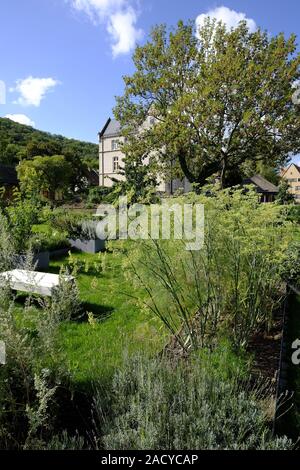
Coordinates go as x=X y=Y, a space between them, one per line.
x=34 y=282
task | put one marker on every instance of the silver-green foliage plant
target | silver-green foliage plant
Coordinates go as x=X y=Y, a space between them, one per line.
x=191 y=406
x=7 y=249
x=27 y=388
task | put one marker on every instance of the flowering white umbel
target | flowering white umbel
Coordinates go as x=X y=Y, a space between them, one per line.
x=142 y=222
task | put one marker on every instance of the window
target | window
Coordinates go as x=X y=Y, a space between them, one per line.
x=115 y=164
x=151 y=121
x=292 y=180
x=297 y=188
x=115 y=144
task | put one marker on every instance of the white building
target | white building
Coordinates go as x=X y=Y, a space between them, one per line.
x=111 y=158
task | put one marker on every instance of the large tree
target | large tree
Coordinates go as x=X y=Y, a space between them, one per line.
x=220 y=98
x=50 y=174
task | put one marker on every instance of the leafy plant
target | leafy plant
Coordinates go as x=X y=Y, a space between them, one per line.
x=21 y=215
x=74 y=225
x=232 y=284
x=284 y=195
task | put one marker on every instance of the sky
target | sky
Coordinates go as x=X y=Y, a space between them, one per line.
x=62 y=61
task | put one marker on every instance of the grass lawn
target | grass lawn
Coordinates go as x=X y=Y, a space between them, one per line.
x=114 y=325
x=92 y=348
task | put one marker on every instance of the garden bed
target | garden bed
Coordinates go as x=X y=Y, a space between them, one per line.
x=265 y=350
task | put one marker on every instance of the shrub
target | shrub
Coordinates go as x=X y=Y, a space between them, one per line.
x=98 y=194
x=27 y=389
x=232 y=284
x=290 y=269
x=284 y=195
x=21 y=216
x=293 y=213
x=7 y=248
x=74 y=226
x=190 y=406
x=43 y=242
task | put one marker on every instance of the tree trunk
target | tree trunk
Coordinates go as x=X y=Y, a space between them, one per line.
x=223 y=172
x=200 y=176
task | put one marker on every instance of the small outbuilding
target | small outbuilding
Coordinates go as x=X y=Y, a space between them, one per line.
x=264 y=187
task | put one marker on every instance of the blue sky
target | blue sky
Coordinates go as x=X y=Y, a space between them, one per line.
x=62 y=61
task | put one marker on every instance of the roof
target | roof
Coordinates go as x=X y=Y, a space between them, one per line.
x=263 y=185
x=284 y=170
x=8 y=176
x=112 y=128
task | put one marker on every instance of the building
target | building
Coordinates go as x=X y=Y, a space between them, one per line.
x=292 y=175
x=110 y=155
x=111 y=158
x=264 y=187
x=8 y=179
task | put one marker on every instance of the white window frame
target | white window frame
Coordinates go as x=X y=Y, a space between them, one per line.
x=116 y=165
x=115 y=144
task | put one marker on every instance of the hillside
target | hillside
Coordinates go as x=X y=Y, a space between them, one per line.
x=18 y=142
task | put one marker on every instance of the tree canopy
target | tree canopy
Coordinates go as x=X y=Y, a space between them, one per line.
x=221 y=99
x=48 y=174
x=18 y=142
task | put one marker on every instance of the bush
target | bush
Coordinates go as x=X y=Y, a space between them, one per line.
x=98 y=194
x=27 y=389
x=293 y=213
x=43 y=242
x=74 y=226
x=7 y=248
x=290 y=269
x=190 y=406
x=21 y=216
x=284 y=195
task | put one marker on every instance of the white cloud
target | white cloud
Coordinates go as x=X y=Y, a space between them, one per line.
x=120 y=18
x=230 y=17
x=98 y=9
x=33 y=90
x=124 y=34
x=21 y=119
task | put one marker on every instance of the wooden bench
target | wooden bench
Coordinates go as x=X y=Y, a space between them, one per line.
x=33 y=282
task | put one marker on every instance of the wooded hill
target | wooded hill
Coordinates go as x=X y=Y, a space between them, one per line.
x=18 y=142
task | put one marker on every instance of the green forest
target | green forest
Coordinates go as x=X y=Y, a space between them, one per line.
x=18 y=142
